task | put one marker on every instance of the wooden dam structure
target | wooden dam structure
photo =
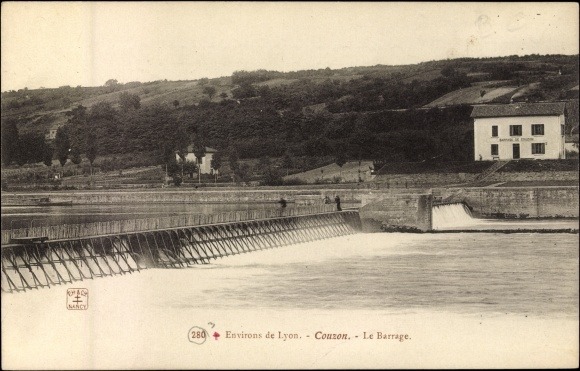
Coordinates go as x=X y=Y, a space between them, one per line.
x=33 y=258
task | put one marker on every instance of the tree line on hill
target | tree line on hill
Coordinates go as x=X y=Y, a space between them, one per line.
x=23 y=148
x=251 y=129
x=374 y=116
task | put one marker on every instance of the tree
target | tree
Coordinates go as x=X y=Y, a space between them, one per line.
x=75 y=155
x=244 y=91
x=111 y=82
x=181 y=142
x=264 y=163
x=167 y=152
x=264 y=91
x=216 y=163
x=223 y=95
x=31 y=148
x=47 y=155
x=9 y=143
x=242 y=173
x=272 y=177
x=199 y=152
x=233 y=159
x=91 y=152
x=182 y=145
x=209 y=91
x=176 y=103
x=340 y=160
x=77 y=128
x=189 y=168
x=129 y=101
x=287 y=162
x=62 y=145
x=448 y=71
x=91 y=148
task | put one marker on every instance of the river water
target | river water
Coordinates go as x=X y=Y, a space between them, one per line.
x=463 y=300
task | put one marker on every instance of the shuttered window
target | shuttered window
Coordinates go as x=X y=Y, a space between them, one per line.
x=538 y=148
x=516 y=130
x=538 y=129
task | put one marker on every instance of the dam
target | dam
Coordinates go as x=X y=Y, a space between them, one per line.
x=30 y=262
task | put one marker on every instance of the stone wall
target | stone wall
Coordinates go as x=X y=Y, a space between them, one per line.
x=529 y=176
x=396 y=212
x=421 y=180
x=300 y=196
x=521 y=202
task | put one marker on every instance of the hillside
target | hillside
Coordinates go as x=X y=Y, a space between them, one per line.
x=478 y=94
x=352 y=172
x=392 y=113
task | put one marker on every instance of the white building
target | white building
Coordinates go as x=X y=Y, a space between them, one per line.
x=514 y=131
x=50 y=134
x=205 y=161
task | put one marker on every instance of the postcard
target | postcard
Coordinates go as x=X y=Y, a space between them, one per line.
x=274 y=185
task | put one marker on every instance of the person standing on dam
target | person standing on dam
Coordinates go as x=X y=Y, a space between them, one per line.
x=337 y=200
x=282 y=203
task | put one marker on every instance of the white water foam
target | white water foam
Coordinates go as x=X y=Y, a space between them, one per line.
x=452 y=216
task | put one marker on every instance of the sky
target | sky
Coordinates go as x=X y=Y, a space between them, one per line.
x=51 y=44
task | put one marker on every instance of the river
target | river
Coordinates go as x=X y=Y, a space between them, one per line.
x=462 y=299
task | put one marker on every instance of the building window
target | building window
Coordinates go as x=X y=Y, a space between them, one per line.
x=494 y=150
x=516 y=130
x=538 y=129
x=494 y=131
x=538 y=148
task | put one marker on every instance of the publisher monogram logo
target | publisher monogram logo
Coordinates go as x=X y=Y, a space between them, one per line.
x=77 y=299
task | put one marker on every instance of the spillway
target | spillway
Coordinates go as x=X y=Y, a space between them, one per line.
x=33 y=263
x=452 y=216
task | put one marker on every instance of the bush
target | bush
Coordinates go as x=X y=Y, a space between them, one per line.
x=294 y=181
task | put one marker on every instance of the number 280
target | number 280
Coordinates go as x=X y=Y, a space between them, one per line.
x=198 y=334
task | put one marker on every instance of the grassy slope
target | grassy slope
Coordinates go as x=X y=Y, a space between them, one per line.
x=505 y=93
x=40 y=119
x=472 y=95
x=348 y=172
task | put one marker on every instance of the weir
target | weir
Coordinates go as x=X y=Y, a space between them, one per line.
x=451 y=215
x=33 y=263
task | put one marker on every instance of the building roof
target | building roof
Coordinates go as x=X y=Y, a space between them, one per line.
x=520 y=109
